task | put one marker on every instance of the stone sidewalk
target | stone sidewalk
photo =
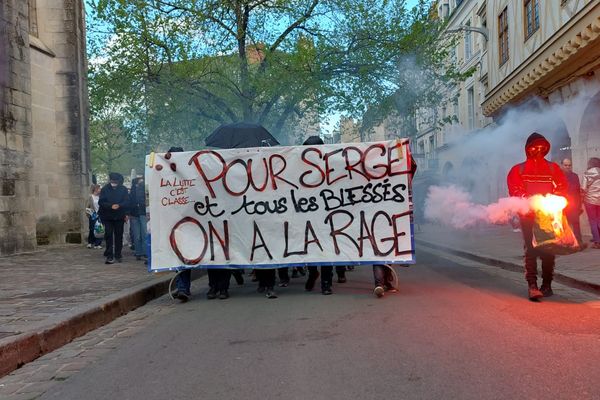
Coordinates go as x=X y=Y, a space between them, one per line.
x=498 y=245
x=54 y=295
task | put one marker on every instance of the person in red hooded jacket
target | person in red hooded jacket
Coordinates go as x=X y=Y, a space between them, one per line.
x=536 y=176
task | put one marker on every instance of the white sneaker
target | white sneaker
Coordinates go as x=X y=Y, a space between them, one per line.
x=89 y=246
x=379 y=291
x=97 y=247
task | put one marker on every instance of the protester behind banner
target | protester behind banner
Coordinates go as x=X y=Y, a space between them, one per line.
x=281 y=206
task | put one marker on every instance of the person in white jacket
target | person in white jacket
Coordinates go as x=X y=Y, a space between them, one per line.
x=591 y=198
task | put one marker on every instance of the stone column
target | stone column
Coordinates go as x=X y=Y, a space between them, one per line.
x=17 y=219
x=60 y=145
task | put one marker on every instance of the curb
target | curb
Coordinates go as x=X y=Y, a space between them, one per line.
x=509 y=266
x=18 y=350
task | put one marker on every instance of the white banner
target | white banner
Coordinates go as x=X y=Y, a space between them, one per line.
x=275 y=206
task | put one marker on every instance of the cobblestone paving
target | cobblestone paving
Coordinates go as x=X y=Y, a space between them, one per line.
x=44 y=284
x=32 y=380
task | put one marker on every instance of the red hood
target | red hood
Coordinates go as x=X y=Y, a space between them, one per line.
x=537 y=148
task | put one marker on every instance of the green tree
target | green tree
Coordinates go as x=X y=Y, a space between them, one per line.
x=179 y=68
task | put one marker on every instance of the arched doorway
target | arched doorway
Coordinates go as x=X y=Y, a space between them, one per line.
x=448 y=173
x=560 y=140
x=539 y=116
x=589 y=131
x=590 y=123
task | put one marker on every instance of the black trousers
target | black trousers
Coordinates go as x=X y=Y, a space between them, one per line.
x=113 y=234
x=573 y=219
x=382 y=275
x=266 y=277
x=326 y=274
x=218 y=279
x=284 y=274
x=532 y=254
x=340 y=270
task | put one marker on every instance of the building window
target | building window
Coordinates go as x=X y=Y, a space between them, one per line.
x=431 y=146
x=471 y=108
x=444 y=10
x=484 y=26
x=503 y=36
x=532 y=17
x=468 y=42
x=455 y=109
x=33 y=26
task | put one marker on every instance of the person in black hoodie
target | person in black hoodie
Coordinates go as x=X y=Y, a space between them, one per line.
x=138 y=221
x=326 y=270
x=218 y=279
x=113 y=203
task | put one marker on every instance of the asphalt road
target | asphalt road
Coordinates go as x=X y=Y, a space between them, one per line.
x=454 y=331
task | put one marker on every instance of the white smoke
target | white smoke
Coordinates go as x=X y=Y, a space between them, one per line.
x=453 y=206
x=479 y=161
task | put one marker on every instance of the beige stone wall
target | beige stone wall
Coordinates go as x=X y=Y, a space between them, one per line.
x=565 y=47
x=301 y=128
x=572 y=26
x=349 y=131
x=43 y=115
x=583 y=122
x=17 y=219
x=59 y=149
x=553 y=17
x=560 y=62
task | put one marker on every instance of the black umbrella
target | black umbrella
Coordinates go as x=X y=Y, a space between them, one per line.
x=240 y=135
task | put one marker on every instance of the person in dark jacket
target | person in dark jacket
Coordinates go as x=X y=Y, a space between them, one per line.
x=574 y=207
x=218 y=278
x=113 y=204
x=183 y=281
x=536 y=176
x=137 y=220
x=383 y=274
x=326 y=270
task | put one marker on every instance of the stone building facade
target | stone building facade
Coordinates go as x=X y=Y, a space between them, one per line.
x=526 y=54
x=44 y=153
x=554 y=55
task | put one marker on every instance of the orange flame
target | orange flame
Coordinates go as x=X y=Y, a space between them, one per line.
x=549 y=209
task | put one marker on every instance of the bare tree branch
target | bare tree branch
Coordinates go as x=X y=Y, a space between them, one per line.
x=307 y=14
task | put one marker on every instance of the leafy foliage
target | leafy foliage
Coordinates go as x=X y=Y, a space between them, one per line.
x=169 y=71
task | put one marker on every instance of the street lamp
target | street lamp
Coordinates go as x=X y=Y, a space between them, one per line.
x=467 y=28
